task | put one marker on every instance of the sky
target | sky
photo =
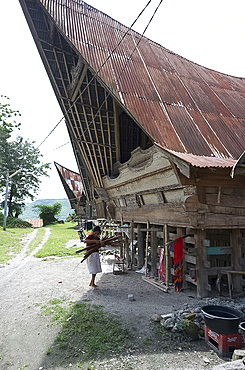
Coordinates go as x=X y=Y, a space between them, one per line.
x=210 y=33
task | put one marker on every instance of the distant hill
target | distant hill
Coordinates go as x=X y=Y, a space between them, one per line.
x=30 y=213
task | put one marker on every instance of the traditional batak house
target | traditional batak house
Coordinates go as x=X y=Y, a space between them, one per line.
x=156 y=138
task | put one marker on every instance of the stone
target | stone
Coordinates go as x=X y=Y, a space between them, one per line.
x=167 y=316
x=156 y=317
x=191 y=329
x=178 y=327
x=238 y=354
x=234 y=365
x=162 y=321
x=169 y=324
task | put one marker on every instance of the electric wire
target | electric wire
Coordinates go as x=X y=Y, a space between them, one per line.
x=96 y=74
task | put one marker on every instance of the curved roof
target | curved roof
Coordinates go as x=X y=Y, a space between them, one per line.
x=182 y=106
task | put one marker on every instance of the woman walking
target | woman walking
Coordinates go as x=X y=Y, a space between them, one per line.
x=93 y=260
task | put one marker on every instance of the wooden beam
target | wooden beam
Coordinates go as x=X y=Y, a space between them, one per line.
x=235 y=236
x=202 y=274
x=108 y=127
x=79 y=83
x=117 y=136
x=101 y=128
x=140 y=243
x=154 y=254
x=146 y=248
x=96 y=133
x=156 y=284
x=132 y=244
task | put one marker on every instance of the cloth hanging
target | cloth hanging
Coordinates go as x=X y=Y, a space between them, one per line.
x=178 y=264
x=161 y=270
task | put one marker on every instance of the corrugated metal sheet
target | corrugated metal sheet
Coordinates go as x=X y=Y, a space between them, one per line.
x=181 y=105
x=72 y=179
x=201 y=161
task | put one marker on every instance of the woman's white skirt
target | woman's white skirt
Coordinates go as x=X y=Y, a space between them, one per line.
x=93 y=262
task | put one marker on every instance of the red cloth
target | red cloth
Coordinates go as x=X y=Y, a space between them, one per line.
x=161 y=270
x=178 y=264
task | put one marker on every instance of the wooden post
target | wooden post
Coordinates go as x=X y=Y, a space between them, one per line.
x=122 y=249
x=235 y=236
x=140 y=243
x=153 y=254
x=202 y=274
x=132 y=244
x=146 y=248
x=166 y=255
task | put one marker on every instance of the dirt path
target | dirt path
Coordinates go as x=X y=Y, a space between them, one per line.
x=27 y=283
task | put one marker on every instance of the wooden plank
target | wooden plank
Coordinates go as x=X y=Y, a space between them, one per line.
x=216 y=270
x=190 y=280
x=212 y=251
x=156 y=284
x=192 y=251
x=190 y=259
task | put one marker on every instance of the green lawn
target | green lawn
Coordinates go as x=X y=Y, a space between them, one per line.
x=60 y=235
x=10 y=242
x=38 y=239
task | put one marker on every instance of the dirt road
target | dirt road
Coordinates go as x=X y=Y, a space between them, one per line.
x=26 y=283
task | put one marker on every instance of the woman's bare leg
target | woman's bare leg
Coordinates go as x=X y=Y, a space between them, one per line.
x=92 y=282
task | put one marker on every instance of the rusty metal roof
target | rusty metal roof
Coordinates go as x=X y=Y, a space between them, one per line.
x=202 y=161
x=182 y=106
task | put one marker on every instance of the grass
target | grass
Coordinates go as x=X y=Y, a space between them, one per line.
x=38 y=239
x=10 y=242
x=55 y=246
x=87 y=332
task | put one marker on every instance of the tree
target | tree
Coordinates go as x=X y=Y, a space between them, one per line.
x=47 y=213
x=20 y=155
